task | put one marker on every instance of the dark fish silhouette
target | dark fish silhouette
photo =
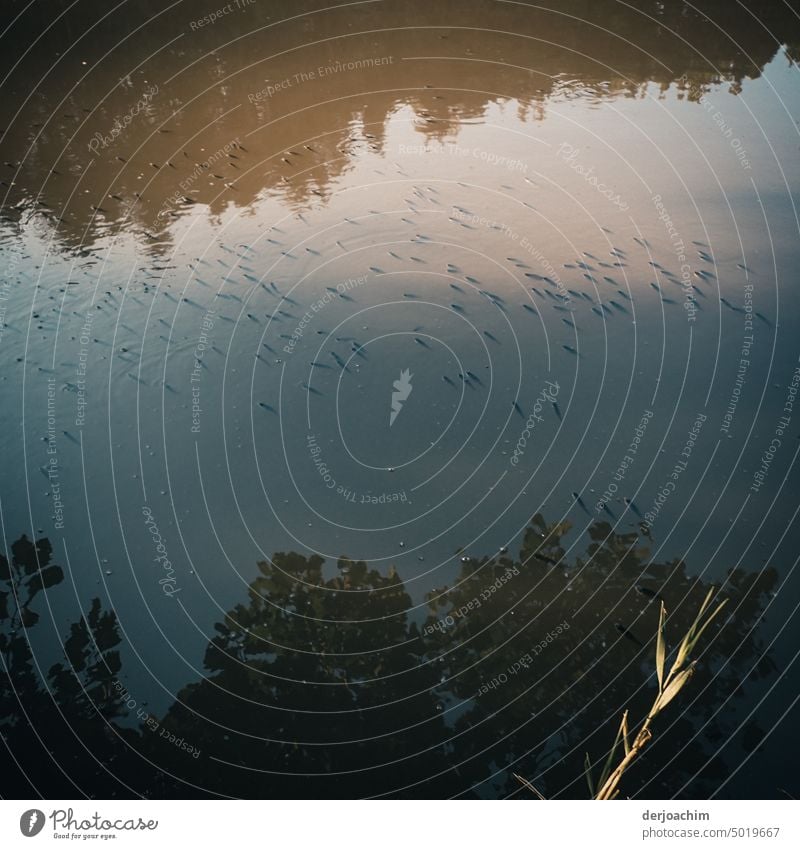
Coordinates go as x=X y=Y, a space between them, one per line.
x=628 y=635
x=730 y=306
x=633 y=507
x=579 y=500
x=648 y=593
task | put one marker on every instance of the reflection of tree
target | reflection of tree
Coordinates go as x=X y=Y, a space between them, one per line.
x=570 y=698
x=321 y=685
x=606 y=48
x=306 y=666
x=53 y=724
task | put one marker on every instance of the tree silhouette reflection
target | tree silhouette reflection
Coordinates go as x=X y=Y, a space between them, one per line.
x=320 y=686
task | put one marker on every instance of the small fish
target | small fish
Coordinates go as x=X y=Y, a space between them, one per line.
x=571 y=350
x=634 y=508
x=628 y=635
x=579 y=502
x=518 y=409
x=730 y=306
x=648 y=593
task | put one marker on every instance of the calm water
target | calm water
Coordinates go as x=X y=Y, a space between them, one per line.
x=369 y=374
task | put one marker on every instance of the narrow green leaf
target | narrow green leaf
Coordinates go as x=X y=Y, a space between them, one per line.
x=661 y=651
x=675 y=686
x=610 y=759
x=526 y=783
x=697 y=636
x=704 y=605
x=626 y=734
x=587 y=771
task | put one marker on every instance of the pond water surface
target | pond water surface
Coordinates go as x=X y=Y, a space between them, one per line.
x=378 y=368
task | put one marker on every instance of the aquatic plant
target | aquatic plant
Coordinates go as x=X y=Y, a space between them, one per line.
x=607 y=787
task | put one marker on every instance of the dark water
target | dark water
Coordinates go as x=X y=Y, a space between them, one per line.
x=371 y=372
